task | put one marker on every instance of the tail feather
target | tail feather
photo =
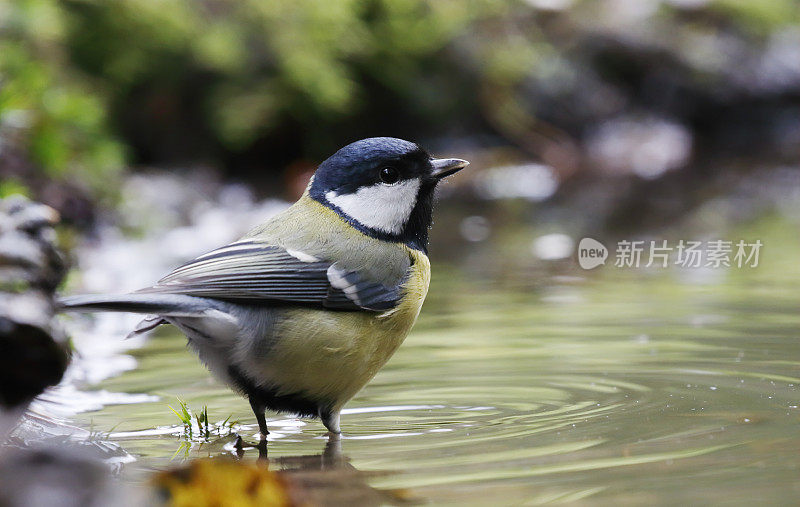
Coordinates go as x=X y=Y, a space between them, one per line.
x=209 y=318
x=173 y=305
x=146 y=325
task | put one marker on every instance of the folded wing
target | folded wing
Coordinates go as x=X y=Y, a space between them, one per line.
x=255 y=272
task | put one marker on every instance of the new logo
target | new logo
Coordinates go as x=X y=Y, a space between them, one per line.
x=591 y=253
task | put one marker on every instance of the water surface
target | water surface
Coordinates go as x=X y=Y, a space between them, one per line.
x=541 y=383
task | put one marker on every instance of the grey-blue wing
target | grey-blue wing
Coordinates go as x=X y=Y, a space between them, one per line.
x=255 y=272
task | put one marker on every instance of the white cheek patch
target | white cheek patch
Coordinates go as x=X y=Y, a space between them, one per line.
x=385 y=208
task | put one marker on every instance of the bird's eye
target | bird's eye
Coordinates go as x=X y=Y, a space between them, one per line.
x=389 y=175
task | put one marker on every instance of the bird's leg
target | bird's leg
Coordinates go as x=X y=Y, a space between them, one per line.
x=331 y=420
x=258 y=410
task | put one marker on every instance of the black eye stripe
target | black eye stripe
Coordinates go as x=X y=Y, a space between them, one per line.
x=389 y=175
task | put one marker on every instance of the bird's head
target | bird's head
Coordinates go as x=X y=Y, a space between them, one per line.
x=384 y=187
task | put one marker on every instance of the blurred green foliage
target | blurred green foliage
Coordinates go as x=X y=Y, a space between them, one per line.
x=762 y=16
x=231 y=72
x=51 y=118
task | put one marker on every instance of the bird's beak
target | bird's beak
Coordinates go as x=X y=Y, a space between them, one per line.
x=446 y=166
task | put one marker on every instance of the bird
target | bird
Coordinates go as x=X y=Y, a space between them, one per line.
x=301 y=312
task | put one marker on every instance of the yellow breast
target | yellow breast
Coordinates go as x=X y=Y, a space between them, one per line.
x=331 y=355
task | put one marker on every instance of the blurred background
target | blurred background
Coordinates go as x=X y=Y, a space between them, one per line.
x=160 y=129
x=651 y=106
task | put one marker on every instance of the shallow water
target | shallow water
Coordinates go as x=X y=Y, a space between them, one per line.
x=548 y=384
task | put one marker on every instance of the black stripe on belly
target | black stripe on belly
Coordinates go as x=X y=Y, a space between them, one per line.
x=269 y=398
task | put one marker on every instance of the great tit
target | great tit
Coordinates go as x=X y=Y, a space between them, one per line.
x=300 y=313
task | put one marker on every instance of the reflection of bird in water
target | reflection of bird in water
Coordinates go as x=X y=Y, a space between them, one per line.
x=330 y=479
x=320 y=479
x=330 y=459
